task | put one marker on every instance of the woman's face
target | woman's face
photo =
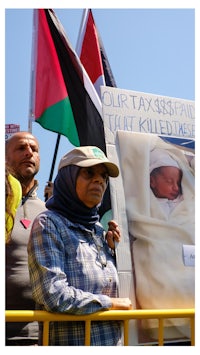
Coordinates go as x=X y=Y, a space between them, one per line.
x=167 y=182
x=91 y=184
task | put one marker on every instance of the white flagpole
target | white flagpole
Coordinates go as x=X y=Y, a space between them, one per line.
x=32 y=74
x=82 y=30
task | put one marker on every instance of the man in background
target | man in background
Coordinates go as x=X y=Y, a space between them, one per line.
x=22 y=156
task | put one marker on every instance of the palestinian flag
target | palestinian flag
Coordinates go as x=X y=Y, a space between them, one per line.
x=94 y=59
x=92 y=53
x=63 y=99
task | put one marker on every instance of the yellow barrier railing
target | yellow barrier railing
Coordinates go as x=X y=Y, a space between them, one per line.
x=124 y=316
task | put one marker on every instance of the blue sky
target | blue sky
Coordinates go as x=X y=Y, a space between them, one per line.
x=149 y=49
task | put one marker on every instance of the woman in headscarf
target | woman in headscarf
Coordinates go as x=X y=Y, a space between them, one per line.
x=72 y=268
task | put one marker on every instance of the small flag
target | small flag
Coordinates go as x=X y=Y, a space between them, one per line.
x=92 y=53
x=93 y=57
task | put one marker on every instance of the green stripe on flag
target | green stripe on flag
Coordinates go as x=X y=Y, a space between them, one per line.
x=59 y=118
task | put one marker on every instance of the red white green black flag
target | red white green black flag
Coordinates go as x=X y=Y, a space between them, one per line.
x=63 y=98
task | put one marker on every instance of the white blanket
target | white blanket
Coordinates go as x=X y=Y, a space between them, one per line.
x=162 y=279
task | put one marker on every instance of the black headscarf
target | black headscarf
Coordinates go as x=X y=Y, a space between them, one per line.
x=66 y=202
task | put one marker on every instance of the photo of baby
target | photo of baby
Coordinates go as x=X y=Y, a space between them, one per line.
x=159 y=188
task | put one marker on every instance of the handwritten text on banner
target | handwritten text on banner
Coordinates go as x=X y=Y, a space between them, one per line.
x=147 y=113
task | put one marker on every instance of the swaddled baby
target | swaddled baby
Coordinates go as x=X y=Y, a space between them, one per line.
x=165 y=179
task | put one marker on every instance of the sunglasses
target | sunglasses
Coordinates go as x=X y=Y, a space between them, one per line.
x=90 y=172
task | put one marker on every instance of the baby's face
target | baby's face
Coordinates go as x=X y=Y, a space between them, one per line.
x=167 y=182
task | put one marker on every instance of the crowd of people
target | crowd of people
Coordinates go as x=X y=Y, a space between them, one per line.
x=70 y=265
x=59 y=258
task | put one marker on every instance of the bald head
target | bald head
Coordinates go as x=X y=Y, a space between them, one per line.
x=18 y=136
x=22 y=156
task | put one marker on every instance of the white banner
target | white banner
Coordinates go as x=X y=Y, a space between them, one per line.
x=147 y=113
x=135 y=123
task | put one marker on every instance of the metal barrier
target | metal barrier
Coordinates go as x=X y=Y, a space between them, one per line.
x=124 y=316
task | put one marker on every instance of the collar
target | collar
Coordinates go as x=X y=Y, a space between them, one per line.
x=30 y=192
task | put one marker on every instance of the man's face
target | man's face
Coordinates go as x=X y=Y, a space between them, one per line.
x=22 y=155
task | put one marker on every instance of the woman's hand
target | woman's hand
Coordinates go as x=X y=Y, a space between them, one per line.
x=113 y=234
x=121 y=303
x=48 y=190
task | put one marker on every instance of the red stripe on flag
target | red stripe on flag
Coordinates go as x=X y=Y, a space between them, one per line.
x=88 y=50
x=50 y=86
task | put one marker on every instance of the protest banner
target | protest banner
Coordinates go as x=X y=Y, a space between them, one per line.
x=135 y=123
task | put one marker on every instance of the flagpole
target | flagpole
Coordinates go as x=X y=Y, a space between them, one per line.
x=80 y=35
x=54 y=157
x=30 y=125
x=53 y=161
x=32 y=75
